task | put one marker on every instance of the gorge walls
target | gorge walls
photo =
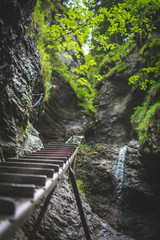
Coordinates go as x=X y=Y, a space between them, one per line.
x=19 y=74
x=116 y=100
x=137 y=214
x=62 y=118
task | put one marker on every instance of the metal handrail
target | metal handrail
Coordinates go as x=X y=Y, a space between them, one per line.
x=20 y=208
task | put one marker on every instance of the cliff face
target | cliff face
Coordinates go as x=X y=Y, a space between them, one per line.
x=133 y=207
x=19 y=72
x=19 y=78
x=120 y=191
x=149 y=150
x=116 y=100
x=62 y=220
x=62 y=117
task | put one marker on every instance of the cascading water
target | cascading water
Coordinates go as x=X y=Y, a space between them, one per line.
x=118 y=170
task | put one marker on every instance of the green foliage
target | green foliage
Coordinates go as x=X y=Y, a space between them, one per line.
x=143 y=126
x=118 y=68
x=40 y=31
x=114 y=61
x=133 y=18
x=69 y=33
x=26 y=129
x=88 y=150
x=139 y=80
x=85 y=93
x=149 y=72
x=81 y=187
x=74 y=24
x=144 y=115
x=83 y=83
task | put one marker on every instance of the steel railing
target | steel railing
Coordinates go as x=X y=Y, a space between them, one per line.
x=24 y=181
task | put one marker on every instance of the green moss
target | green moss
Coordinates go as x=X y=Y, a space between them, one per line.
x=118 y=55
x=149 y=73
x=138 y=114
x=26 y=129
x=81 y=187
x=118 y=68
x=143 y=48
x=89 y=150
x=149 y=117
x=145 y=115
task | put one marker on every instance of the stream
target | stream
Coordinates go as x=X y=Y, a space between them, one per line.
x=118 y=170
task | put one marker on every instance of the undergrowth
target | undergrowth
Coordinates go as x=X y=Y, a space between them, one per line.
x=144 y=115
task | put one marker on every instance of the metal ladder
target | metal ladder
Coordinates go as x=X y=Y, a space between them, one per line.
x=24 y=181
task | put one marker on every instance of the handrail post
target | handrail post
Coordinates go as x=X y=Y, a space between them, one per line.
x=40 y=216
x=79 y=203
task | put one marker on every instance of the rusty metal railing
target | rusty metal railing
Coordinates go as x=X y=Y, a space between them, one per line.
x=25 y=180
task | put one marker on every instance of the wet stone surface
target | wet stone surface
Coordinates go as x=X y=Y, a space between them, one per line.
x=19 y=73
x=136 y=213
x=62 y=221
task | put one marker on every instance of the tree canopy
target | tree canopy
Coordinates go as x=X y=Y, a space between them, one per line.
x=63 y=27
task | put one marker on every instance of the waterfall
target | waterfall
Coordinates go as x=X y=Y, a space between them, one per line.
x=118 y=170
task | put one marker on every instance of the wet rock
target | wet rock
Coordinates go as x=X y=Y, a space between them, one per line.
x=137 y=212
x=19 y=73
x=62 y=221
x=150 y=151
x=32 y=142
x=115 y=101
x=95 y=169
x=140 y=214
x=19 y=236
x=62 y=118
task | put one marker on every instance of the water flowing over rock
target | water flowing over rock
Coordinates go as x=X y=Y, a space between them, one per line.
x=138 y=214
x=62 y=221
x=118 y=170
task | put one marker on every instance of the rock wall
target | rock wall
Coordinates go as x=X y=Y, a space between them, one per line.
x=115 y=100
x=149 y=149
x=62 y=220
x=19 y=73
x=136 y=211
x=62 y=118
x=19 y=78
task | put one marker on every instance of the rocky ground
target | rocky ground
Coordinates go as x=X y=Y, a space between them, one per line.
x=62 y=220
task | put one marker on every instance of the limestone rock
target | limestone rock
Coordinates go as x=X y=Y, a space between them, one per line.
x=19 y=72
x=149 y=150
x=62 y=221
x=137 y=213
x=62 y=118
x=116 y=100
